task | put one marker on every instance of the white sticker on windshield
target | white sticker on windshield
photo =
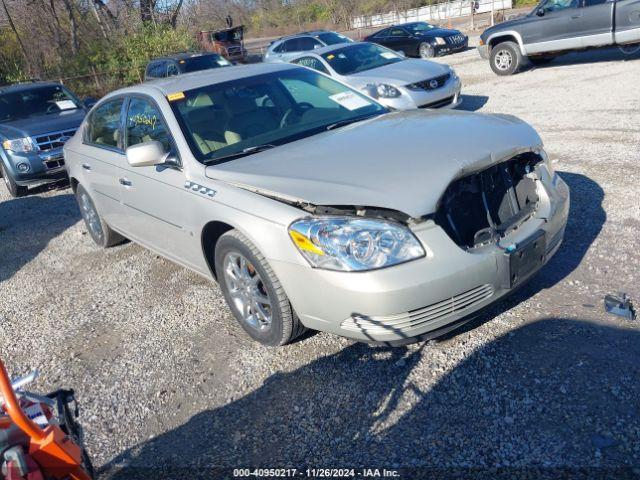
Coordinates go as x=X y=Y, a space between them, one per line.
x=350 y=100
x=66 y=104
x=388 y=55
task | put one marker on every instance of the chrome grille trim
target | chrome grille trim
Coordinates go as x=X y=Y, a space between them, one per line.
x=426 y=84
x=404 y=322
x=51 y=140
x=455 y=39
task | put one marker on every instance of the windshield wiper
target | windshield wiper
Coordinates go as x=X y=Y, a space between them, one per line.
x=242 y=153
x=344 y=123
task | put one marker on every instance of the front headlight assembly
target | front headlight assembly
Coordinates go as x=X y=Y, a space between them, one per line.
x=382 y=90
x=440 y=41
x=19 y=145
x=351 y=244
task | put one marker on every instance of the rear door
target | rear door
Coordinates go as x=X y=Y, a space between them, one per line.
x=627 y=21
x=100 y=158
x=597 y=22
x=558 y=27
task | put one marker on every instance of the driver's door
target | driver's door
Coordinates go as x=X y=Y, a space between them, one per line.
x=399 y=40
x=154 y=198
x=557 y=27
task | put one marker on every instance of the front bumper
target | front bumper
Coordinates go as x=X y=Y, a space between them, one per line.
x=449 y=48
x=447 y=96
x=483 y=50
x=44 y=167
x=422 y=296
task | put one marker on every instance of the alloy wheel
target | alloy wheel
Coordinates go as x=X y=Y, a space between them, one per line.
x=503 y=59
x=90 y=216
x=247 y=291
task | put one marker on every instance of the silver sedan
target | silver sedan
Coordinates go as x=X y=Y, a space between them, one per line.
x=314 y=206
x=391 y=78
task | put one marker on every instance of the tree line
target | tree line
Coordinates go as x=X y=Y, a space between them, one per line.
x=99 y=45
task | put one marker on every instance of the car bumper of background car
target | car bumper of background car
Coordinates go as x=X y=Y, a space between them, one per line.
x=448 y=49
x=447 y=286
x=447 y=96
x=44 y=168
x=483 y=50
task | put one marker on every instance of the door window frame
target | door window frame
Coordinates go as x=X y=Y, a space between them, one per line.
x=85 y=136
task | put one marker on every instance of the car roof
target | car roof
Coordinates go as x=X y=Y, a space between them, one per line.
x=189 y=81
x=18 y=87
x=331 y=48
x=310 y=33
x=183 y=56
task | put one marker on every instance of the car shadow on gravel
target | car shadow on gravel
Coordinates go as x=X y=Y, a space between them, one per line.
x=28 y=224
x=556 y=392
x=594 y=56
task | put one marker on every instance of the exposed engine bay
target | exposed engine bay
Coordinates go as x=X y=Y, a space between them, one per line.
x=481 y=208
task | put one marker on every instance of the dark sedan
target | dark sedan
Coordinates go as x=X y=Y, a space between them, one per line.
x=420 y=39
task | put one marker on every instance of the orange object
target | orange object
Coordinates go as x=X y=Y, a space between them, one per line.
x=52 y=449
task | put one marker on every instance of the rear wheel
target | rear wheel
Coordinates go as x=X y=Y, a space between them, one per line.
x=506 y=58
x=426 y=50
x=15 y=190
x=253 y=292
x=100 y=232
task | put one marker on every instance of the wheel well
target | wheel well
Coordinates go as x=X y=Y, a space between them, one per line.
x=74 y=184
x=211 y=233
x=504 y=38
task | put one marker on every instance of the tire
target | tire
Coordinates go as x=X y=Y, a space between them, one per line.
x=100 y=232
x=426 y=50
x=506 y=58
x=15 y=190
x=273 y=323
x=540 y=61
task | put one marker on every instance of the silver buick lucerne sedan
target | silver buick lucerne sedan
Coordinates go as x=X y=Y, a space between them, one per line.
x=316 y=207
x=395 y=81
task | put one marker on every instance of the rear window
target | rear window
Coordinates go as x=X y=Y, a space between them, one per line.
x=203 y=62
x=333 y=38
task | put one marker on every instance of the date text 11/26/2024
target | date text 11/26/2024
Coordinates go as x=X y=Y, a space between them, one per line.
x=315 y=473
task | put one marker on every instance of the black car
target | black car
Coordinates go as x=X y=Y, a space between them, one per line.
x=420 y=39
x=183 y=63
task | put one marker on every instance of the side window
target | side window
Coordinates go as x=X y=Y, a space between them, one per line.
x=172 y=70
x=398 y=32
x=280 y=48
x=149 y=72
x=557 y=5
x=311 y=62
x=382 y=34
x=307 y=43
x=144 y=124
x=104 y=125
x=290 y=46
x=593 y=3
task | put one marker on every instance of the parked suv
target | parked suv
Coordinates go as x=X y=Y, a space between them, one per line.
x=183 y=63
x=556 y=27
x=36 y=119
x=288 y=48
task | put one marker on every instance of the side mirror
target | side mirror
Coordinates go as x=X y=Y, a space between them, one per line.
x=147 y=154
x=89 y=102
x=540 y=12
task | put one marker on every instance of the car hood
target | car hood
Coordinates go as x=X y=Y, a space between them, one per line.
x=400 y=73
x=32 y=126
x=507 y=25
x=402 y=161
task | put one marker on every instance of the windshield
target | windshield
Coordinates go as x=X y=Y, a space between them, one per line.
x=266 y=110
x=333 y=38
x=417 y=28
x=203 y=62
x=360 y=57
x=41 y=100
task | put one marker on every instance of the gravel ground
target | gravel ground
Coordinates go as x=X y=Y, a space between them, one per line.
x=166 y=378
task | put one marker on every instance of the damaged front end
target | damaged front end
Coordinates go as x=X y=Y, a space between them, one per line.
x=481 y=208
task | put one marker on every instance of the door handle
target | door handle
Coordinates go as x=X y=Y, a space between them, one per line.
x=86 y=166
x=125 y=182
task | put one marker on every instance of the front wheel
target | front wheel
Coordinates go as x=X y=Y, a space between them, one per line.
x=506 y=58
x=15 y=190
x=253 y=292
x=100 y=232
x=426 y=50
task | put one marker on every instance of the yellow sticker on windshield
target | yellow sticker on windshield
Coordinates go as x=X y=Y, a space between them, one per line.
x=331 y=57
x=175 y=96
